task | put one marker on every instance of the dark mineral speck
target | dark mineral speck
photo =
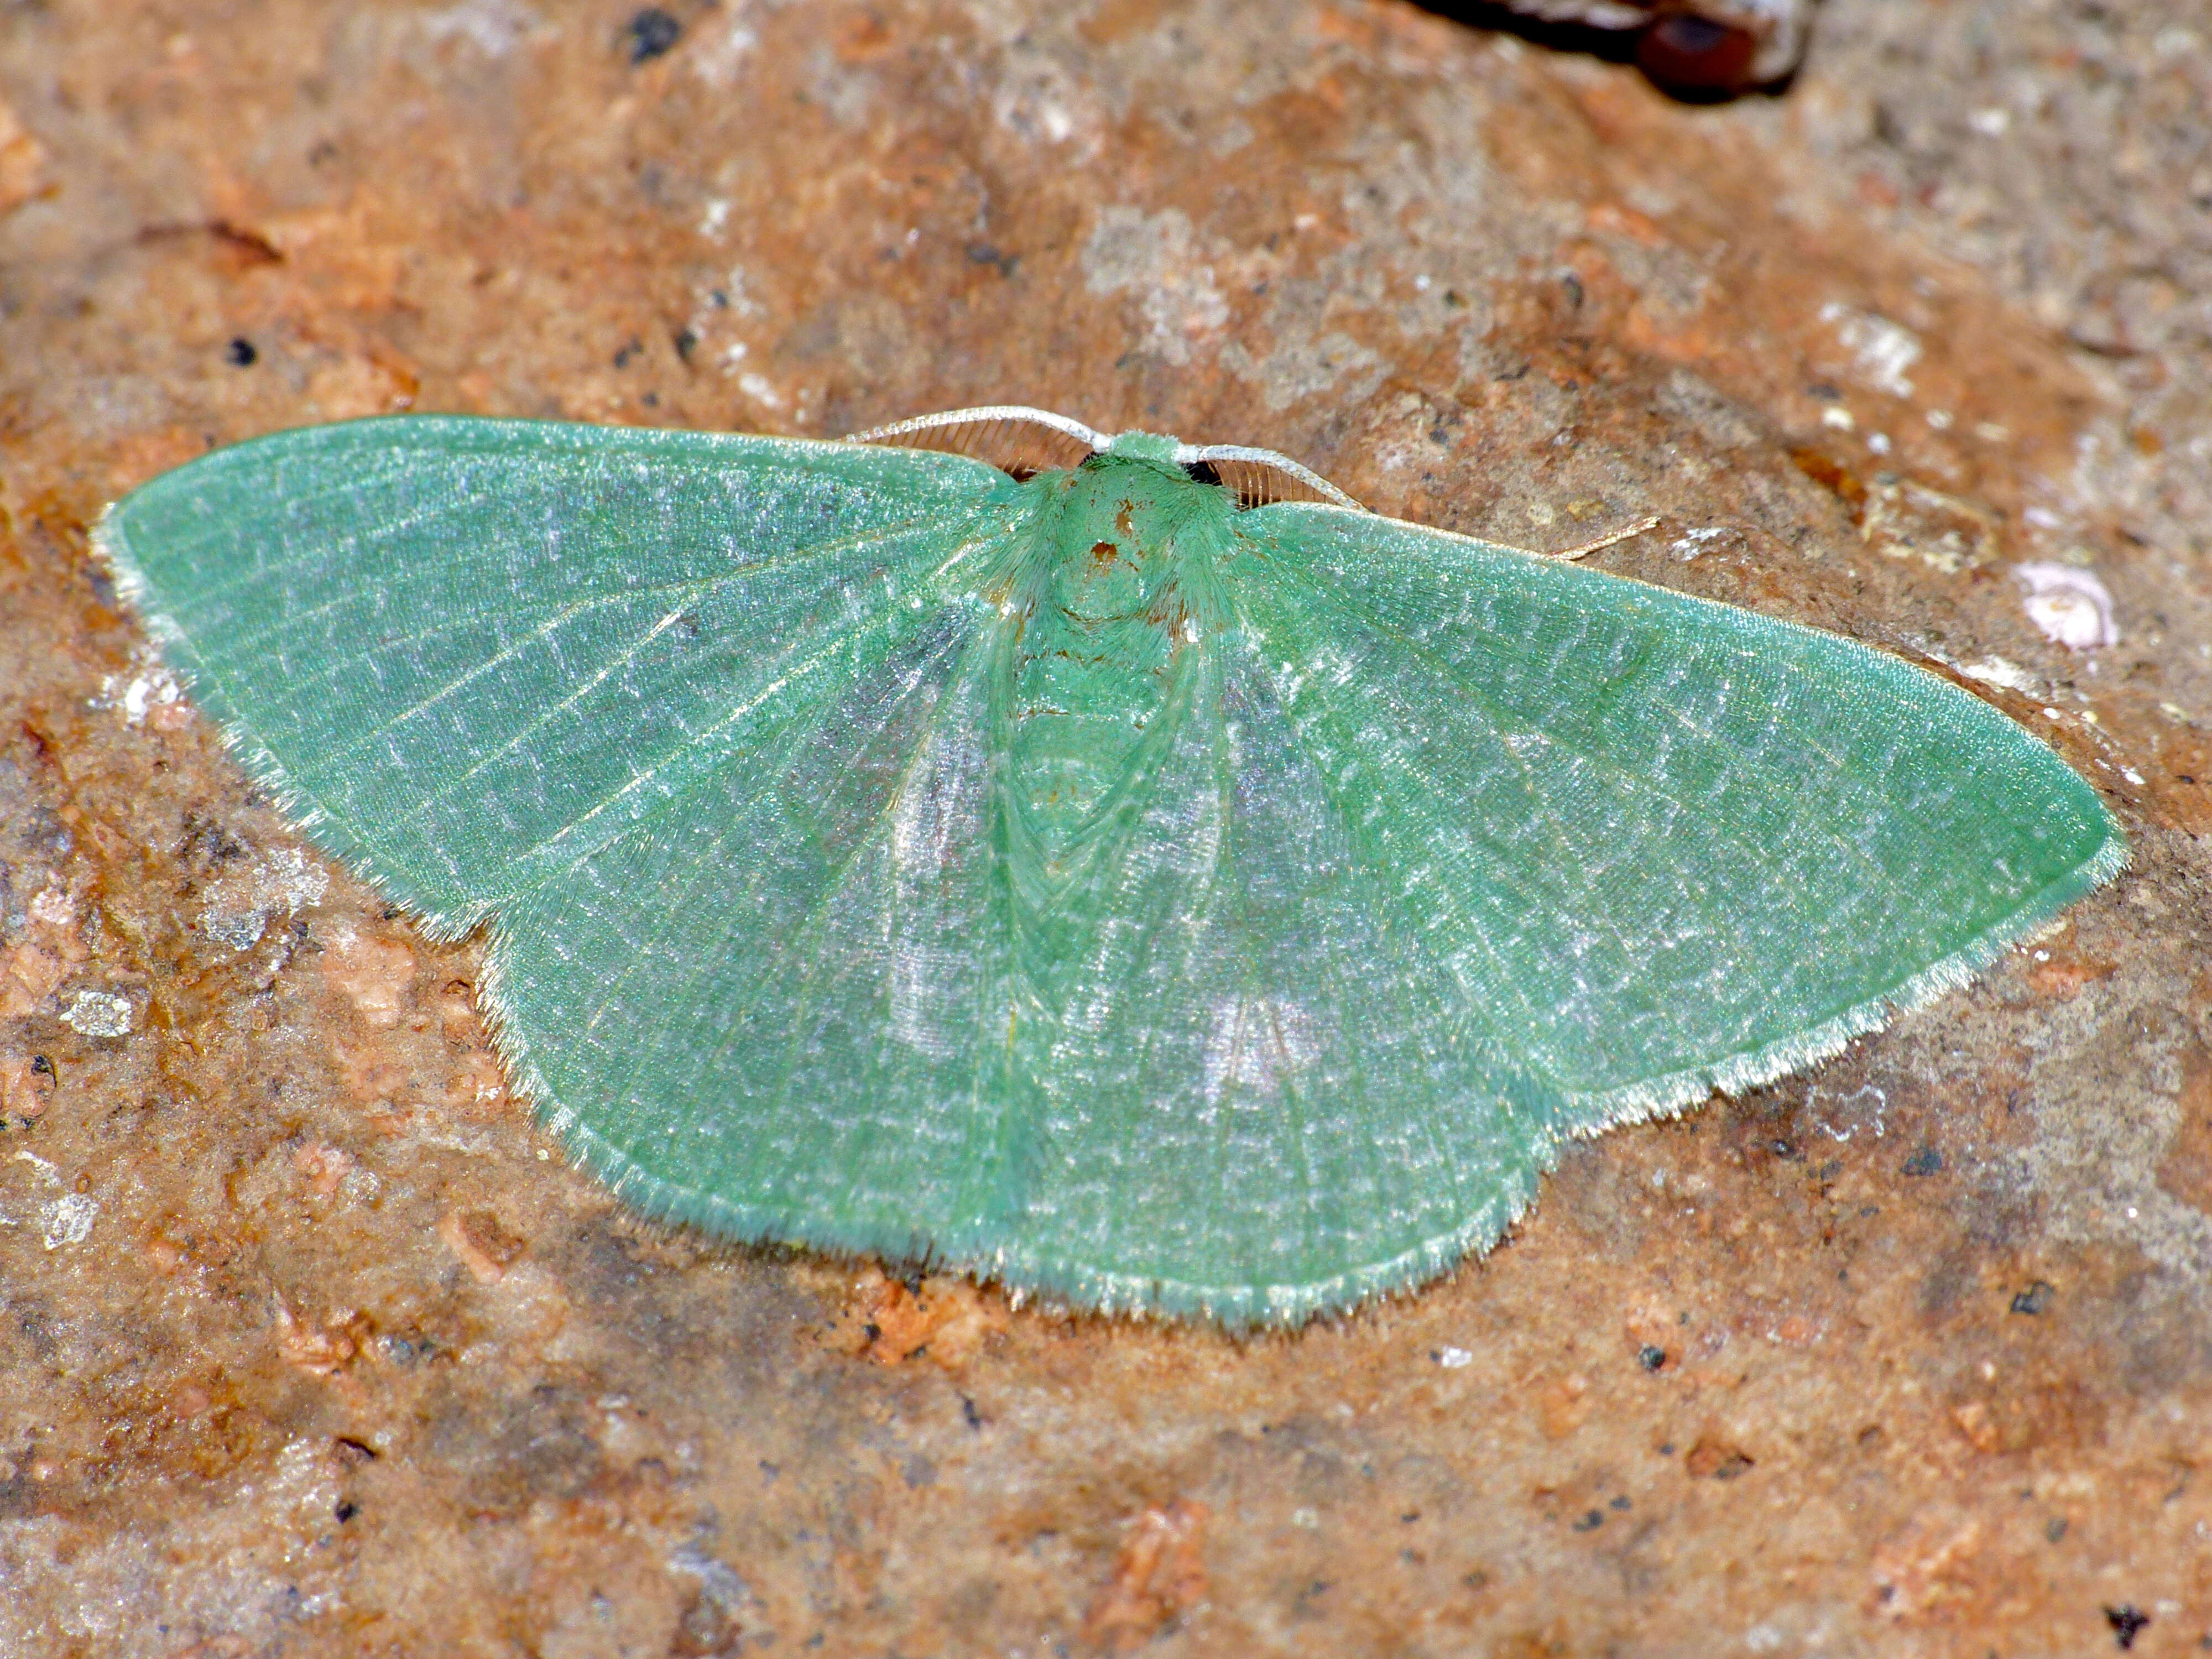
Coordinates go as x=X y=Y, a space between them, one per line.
x=650 y=33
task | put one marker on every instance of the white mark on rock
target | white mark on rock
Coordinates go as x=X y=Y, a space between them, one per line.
x=1692 y=543
x=493 y=27
x=1851 y=1105
x=1039 y=102
x=238 y=908
x=761 y=390
x=52 y=907
x=237 y=930
x=157 y=688
x=716 y=58
x=1997 y=670
x=2070 y=605
x=718 y=1580
x=68 y=1220
x=1453 y=1359
x=1151 y=255
x=1882 y=350
x=1300 y=367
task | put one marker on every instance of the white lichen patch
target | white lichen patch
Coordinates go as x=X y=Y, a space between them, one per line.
x=1842 y=1116
x=64 y=1220
x=761 y=390
x=236 y=930
x=99 y=1014
x=1041 y=100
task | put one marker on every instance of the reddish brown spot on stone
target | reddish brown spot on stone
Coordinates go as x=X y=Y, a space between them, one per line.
x=1833 y=476
x=1159 y=1574
x=2185 y=1172
x=486 y=1249
x=319 y=1350
x=942 y=1315
x=2066 y=969
x=375 y=974
x=1564 y=1406
x=2029 y=1414
x=26 y=1085
x=1716 y=1457
x=322 y=1166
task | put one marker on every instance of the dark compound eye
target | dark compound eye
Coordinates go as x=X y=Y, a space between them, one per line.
x=1685 y=52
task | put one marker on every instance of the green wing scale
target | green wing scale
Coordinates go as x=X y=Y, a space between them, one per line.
x=1668 y=845
x=1140 y=875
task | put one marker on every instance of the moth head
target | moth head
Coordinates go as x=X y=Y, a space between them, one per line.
x=1022 y=442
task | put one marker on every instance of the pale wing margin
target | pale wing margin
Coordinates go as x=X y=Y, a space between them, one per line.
x=1664 y=705
x=444 y=642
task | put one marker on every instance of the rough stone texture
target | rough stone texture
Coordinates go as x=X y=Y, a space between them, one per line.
x=311 y=1343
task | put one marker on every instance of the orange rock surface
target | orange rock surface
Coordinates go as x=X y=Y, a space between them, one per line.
x=313 y=1345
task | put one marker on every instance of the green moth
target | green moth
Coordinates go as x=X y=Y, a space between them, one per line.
x=1130 y=870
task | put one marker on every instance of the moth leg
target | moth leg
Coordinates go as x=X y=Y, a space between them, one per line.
x=1570 y=554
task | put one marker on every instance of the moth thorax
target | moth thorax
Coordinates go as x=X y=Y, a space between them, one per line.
x=1120 y=528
